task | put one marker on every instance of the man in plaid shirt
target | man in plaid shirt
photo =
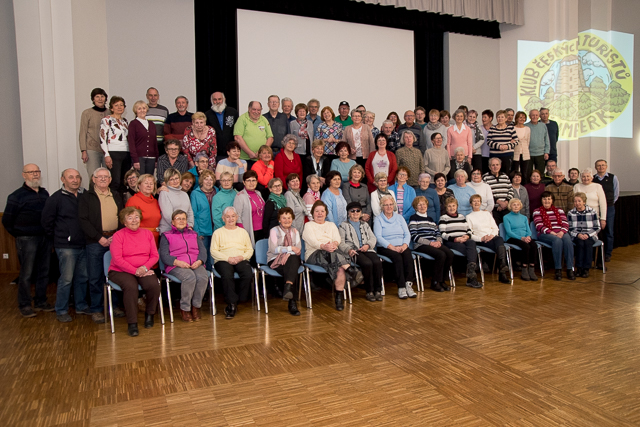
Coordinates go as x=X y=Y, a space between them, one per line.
x=562 y=191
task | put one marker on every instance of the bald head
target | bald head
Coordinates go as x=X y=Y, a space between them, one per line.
x=32 y=175
x=71 y=180
x=409 y=117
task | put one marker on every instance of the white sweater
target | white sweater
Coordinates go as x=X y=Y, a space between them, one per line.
x=482 y=224
x=484 y=190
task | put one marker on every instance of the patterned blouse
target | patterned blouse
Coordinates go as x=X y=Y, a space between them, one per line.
x=113 y=134
x=325 y=131
x=192 y=146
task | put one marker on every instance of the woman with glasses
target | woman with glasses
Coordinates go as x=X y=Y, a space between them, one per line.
x=173 y=199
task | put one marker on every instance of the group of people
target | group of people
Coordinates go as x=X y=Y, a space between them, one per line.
x=351 y=193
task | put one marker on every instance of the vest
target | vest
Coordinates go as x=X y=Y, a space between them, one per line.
x=182 y=245
x=607 y=186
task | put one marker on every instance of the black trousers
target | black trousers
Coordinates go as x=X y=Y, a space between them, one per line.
x=443 y=260
x=468 y=248
x=403 y=264
x=121 y=164
x=235 y=291
x=289 y=271
x=476 y=162
x=492 y=244
x=529 y=250
x=522 y=166
x=371 y=266
x=584 y=252
x=147 y=165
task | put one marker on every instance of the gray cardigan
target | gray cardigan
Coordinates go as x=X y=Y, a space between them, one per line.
x=436 y=160
x=524 y=198
x=242 y=204
x=171 y=200
x=349 y=238
x=299 y=210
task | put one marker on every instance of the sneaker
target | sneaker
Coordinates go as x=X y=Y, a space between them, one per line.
x=64 y=318
x=45 y=306
x=402 y=293
x=27 y=312
x=370 y=297
x=84 y=311
x=97 y=317
x=117 y=312
x=410 y=292
x=378 y=295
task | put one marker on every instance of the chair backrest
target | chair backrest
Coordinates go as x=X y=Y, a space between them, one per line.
x=161 y=264
x=502 y=232
x=106 y=262
x=302 y=250
x=262 y=246
x=534 y=232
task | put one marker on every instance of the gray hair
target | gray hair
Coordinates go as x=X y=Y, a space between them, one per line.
x=289 y=137
x=423 y=175
x=389 y=122
x=387 y=197
x=407 y=131
x=311 y=177
x=368 y=112
x=587 y=170
x=459 y=150
x=314 y=101
x=201 y=155
x=286 y=98
x=224 y=98
x=460 y=172
x=495 y=158
x=272 y=181
x=458 y=111
x=558 y=170
x=101 y=169
x=181 y=97
x=356 y=111
x=229 y=208
x=509 y=110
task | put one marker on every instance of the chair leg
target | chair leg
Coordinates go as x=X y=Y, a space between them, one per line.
x=418 y=270
x=495 y=258
x=509 y=262
x=452 y=278
x=113 y=329
x=264 y=291
x=481 y=269
x=213 y=296
x=348 y=288
x=300 y=284
x=160 y=305
x=257 y=292
x=309 y=301
x=104 y=305
x=168 y=282
x=604 y=269
x=382 y=290
x=541 y=261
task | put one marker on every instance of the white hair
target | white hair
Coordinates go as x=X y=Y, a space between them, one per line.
x=229 y=208
x=101 y=169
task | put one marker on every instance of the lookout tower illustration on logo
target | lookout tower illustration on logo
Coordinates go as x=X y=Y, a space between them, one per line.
x=571 y=77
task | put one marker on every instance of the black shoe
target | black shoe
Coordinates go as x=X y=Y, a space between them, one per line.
x=585 y=273
x=607 y=258
x=293 y=307
x=148 y=320
x=579 y=271
x=435 y=286
x=378 y=295
x=444 y=286
x=276 y=292
x=370 y=297
x=27 y=312
x=230 y=311
x=474 y=284
x=570 y=274
x=133 y=330
x=558 y=274
x=339 y=301
x=288 y=293
x=45 y=306
x=504 y=277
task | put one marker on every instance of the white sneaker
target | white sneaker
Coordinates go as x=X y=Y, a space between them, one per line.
x=402 y=293
x=410 y=291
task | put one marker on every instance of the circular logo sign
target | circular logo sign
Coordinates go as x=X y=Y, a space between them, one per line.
x=585 y=83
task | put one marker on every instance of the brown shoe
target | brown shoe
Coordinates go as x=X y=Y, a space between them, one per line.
x=186 y=316
x=195 y=314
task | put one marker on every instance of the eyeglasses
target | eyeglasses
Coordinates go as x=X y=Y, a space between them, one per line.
x=33 y=172
x=102 y=177
x=251 y=180
x=355 y=211
x=172 y=149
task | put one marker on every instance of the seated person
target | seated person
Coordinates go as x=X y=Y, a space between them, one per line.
x=459 y=162
x=233 y=164
x=584 y=227
x=264 y=167
x=462 y=192
x=343 y=163
x=518 y=232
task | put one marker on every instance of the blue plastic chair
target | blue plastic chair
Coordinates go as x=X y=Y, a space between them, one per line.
x=508 y=246
x=254 y=295
x=109 y=286
x=262 y=246
x=171 y=278
x=416 y=263
x=458 y=253
x=317 y=269
x=597 y=245
x=534 y=236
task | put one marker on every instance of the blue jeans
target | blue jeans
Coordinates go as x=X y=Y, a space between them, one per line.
x=34 y=254
x=558 y=246
x=73 y=268
x=95 y=271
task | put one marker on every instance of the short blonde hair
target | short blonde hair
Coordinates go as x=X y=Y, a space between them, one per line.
x=317 y=143
x=265 y=148
x=580 y=194
x=137 y=104
x=512 y=202
x=146 y=176
x=198 y=115
x=356 y=168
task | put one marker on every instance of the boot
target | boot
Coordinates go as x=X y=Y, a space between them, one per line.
x=287 y=294
x=293 y=307
x=472 y=279
x=435 y=286
x=148 y=320
x=585 y=273
x=504 y=266
x=133 y=329
x=230 y=311
x=524 y=275
x=186 y=316
x=195 y=314
x=532 y=273
x=570 y=274
x=339 y=301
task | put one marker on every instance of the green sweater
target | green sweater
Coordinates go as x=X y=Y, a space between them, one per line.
x=222 y=200
x=539 y=141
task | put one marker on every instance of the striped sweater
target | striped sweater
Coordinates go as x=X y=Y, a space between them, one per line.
x=424 y=230
x=454 y=226
x=557 y=224
x=499 y=137
x=500 y=186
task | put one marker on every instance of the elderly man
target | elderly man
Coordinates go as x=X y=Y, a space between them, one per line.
x=410 y=124
x=510 y=114
x=554 y=132
x=313 y=116
x=251 y=131
x=278 y=122
x=98 y=216
x=344 y=118
x=393 y=139
x=177 y=122
x=23 y=220
x=500 y=187
x=221 y=118
x=548 y=175
x=157 y=114
x=562 y=191
x=287 y=107
x=60 y=222
x=611 y=188
x=538 y=142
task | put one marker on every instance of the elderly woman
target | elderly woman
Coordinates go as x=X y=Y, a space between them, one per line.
x=521 y=155
x=462 y=192
x=483 y=189
x=433 y=126
x=383 y=190
x=596 y=198
x=359 y=137
x=225 y=197
x=457 y=235
x=201 y=164
x=322 y=241
x=287 y=161
x=295 y=201
x=147 y=204
x=436 y=159
x=427 y=239
x=535 y=187
x=553 y=228
x=114 y=130
x=312 y=195
x=459 y=162
x=502 y=140
x=404 y=193
x=354 y=191
x=317 y=163
x=133 y=255
x=381 y=161
x=343 y=163
x=518 y=232
x=334 y=200
x=442 y=191
x=520 y=192
x=172 y=159
x=184 y=255
x=478 y=139
x=329 y=131
x=393 y=239
x=187 y=181
x=249 y=207
x=583 y=228
x=433 y=201
x=201 y=200
x=265 y=168
x=233 y=163
x=358 y=241
x=274 y=203
x=143 y=145
x=173 y=199
x=302 y=129
x=460 y=136
x=368 y=117
x=131 y=184
x=200 y=138
x=231 y=249
x=92 y=155
x=485 y=232
x=283 y=255
x=410 y=157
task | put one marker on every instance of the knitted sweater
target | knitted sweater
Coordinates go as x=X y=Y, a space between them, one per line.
x=499 y=137
x=349 y=237
x=222 y=200
x=484 y=190
x=452 y=227
x=391 y=231
x=436 y=160
x=227 y=243
x=500 y=186
x=357 y=194
x=595 y=197
x=171 y=200
x=482 y=224
x=459 y=138
x=516 y=226
x=539 y=139
x=558 y=224
x=411 y=158
x=133 y=249
x=424 y=230
x=315 y=235
x=462 y=195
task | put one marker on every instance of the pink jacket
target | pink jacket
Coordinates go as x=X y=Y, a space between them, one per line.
x=133 y=249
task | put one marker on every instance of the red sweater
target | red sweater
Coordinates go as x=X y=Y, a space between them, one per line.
x=265 y=173
x=150 y=209
x=133 y=249
x=283 y=167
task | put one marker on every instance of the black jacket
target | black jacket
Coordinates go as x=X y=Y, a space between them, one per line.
x=90 y=214
x=23 y=213
x=224 y=135
x=60 y=220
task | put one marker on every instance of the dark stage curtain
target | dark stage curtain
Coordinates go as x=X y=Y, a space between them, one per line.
x=626 y=225
x=216 y=40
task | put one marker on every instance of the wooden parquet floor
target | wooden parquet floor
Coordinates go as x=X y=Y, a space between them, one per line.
x=531 y=354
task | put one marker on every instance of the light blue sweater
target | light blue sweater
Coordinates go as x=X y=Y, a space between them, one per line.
x=391 y=231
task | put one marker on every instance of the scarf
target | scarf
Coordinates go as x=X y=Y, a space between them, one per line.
x=461 y=165
x=280 y=201
x=315 y=194
x=354 y=184
x=302 y=132
x=473 y=127
x=282 y=257
x=209 y=194
x=546 y=220
x=434 y=126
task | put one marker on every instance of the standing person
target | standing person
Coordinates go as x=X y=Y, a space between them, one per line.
x=343 y=110
x=157 y=114
x=432 y=127
x=445 y=118
x=98 y=216
x=303 y=130
x=611 y=187
x=172 y=199
x=521 y=154
x=395 y=120
x=368 y=117
x=317 y=163
x=114 y=130
x=265 y=168
x=540 y=140
x=252 y=131
x=221 y=118
x=381 y=161
x=483 y=189
x=131 y=181
x=404 y=193
x=502 y=139
x=233 y=163
x=410 y=124
x=92 y=155
x=574 y=176
x=200 y=138
x=500 y=187
x=535 y=188
x=596 y=198
x=249 y=207
x=554 y=132
x=393 y=139
x=147 y=204
x=143 y=145
x=487 y=123
x=278 y=121
x=201 y=200
x=359 y=137
x=313 y=116
x=287 y=161
x=329 y=132
x=177 y=122
x=421 y=114
x=520 y=192
x=201 y=164
x=224 y=198
x=478 y=139
x=60 y=222
x=344 y=162
x=518 y=232
x=410 y=157
x=22 y=218
x=295 y=201
x=172 y=159
x=562 y=191
x=436 y=158
x=583 y=228
x=460 y=136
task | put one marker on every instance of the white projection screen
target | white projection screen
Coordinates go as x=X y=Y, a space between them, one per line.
x=304 y=58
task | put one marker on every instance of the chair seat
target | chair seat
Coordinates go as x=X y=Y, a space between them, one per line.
x=512 y=246
x=385 y=259
x=116 y=287
x=171 y=277
x=423 y=255
x=483 y=249
x=215 y=273
x=546 y=245
x=457 y=253
x=271 y=272
x=315 y=268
